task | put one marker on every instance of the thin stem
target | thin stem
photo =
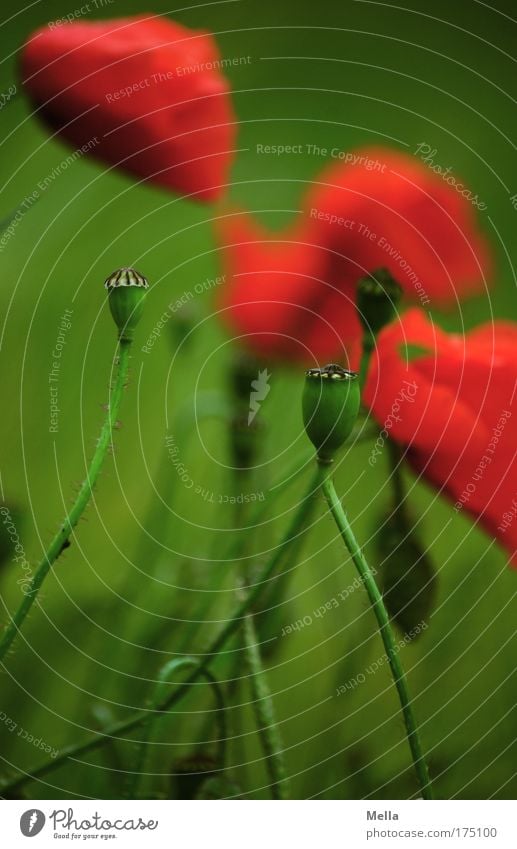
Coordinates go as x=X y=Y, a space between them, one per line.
x=59 y=543
x=387 y=635
x=207 y=405
x=368 y=346
x=265 y=713
x=295 y=528
x=235 y=551
x=151 y=721
x=237 y=543
x=156 y=523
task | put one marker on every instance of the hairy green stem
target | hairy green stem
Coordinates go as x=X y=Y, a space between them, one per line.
x=265 y=713
x=386 y=631
x=60 y=541
x=296 y=527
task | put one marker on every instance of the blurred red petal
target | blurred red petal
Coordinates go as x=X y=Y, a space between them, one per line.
x=460 y=426
x=144 y=93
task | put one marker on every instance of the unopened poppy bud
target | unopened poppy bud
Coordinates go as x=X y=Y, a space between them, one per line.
x=126 y=292
x=378 y=295
x=408 y=577
x=330 y=405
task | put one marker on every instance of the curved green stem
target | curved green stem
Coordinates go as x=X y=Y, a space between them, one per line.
x=264 y=713
x=296 y=527
x=154 y=714
x=59 y=543
x=387 y=635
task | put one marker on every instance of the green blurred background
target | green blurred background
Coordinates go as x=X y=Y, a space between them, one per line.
x=330 y=74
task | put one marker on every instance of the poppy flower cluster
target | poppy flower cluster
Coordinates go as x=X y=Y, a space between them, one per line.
x=293 y=294
x=143 y=94
x=152 y=94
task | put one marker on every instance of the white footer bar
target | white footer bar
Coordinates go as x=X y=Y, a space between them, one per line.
x=259 y=824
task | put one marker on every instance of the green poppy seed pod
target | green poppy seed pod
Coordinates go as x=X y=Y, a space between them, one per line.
x=126 y=292
x=330 y=405
x=378 y=295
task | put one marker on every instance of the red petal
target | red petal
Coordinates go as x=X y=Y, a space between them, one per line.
x=403 y=217
x=143 y=93
x=461 y=427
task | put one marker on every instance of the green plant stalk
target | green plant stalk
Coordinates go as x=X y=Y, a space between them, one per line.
x=236 y=547
x=368 y=346
x=387 y=635
x=170 y=668
x=235 y=551
x=208 y=405
x=362 y=433
x=157 y=520
x=59 y=543
x=265 y=713
x=295 y=528
x=359 y=435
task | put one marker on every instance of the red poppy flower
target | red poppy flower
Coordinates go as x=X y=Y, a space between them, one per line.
x=385 y=208
x=292 y=294
x=144 y=94
x=280 y=296
x=450 y=400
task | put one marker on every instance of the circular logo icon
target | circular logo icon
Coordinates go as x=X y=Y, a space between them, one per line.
x=31 y=822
